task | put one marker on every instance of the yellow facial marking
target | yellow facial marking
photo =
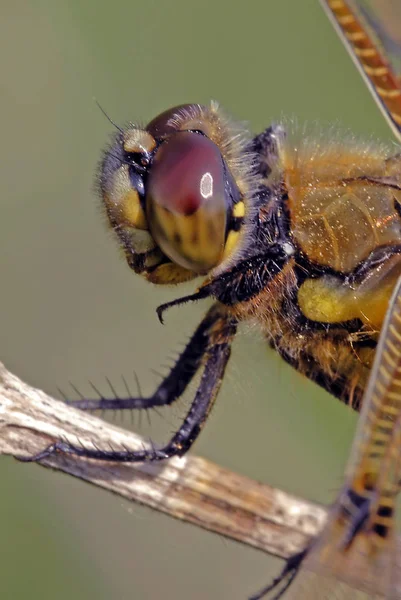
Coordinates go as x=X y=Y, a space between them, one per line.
x=139 y=141
x=239 y=209
x=231 y=243
x=132 y=212
x=169 y=273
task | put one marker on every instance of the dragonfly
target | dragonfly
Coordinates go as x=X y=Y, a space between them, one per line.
x=299 y=234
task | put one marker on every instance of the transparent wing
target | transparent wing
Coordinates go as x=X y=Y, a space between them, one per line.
x=382 y=20
x=371 y=31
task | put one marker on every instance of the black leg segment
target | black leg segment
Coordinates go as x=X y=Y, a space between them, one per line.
x=283 y=581
x=209 y=347
x=172 y=386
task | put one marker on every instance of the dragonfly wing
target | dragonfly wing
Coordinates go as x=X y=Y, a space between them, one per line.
x=371 y=32
x=329 y=572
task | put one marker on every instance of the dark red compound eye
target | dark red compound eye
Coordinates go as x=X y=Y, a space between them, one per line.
x=185 y=201
x=179 y=118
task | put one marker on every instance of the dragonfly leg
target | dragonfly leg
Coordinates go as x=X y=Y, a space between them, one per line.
x=172 y=386
x=282 y=582
x=210 y=346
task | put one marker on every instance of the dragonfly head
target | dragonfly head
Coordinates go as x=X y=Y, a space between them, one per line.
x=175 y=192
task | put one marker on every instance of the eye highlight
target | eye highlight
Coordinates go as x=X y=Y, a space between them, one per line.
x=185 y=201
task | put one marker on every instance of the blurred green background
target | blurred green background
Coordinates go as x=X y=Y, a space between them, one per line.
x=72 y=310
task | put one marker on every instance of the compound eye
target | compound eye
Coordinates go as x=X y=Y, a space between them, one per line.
x=179 y=118
x=185 y=201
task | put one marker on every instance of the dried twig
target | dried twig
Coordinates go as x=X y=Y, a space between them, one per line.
x=191 y=489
